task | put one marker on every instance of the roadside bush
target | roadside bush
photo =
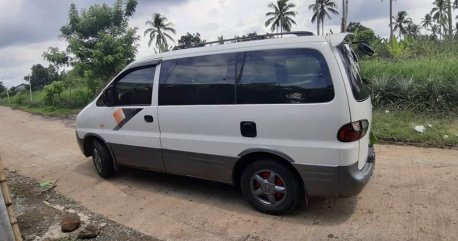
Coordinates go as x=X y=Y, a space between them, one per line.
x=75 y=97
x=20 y=98
x=52 y=92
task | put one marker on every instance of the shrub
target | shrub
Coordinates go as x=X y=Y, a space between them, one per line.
x=75 y=97
x=50 y=92
x=429 y=96
x=20 y=98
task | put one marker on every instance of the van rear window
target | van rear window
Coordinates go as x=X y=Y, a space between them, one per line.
x=359 y=88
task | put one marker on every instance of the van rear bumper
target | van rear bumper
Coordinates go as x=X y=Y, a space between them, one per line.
x=341 y=181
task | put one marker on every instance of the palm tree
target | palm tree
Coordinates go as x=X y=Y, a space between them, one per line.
x=413 y=30
x=158 y=32
x=282 y=16
x=435 y=29
x=321 y=9
x=427 y=22
x=450 y=19
x=391 y=19
x=439 y=14
x=345 y=15
x=401 y=21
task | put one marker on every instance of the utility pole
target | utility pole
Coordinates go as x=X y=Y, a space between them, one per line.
x=8 y=94
x=450 y=19
x=30 y=89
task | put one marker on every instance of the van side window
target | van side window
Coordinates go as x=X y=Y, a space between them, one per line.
x=284 y=76
x=135 y=88
x=360 y=90
x=203 y=80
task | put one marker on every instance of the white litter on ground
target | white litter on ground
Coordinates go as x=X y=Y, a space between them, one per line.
x=445 y=137
x=420 y=129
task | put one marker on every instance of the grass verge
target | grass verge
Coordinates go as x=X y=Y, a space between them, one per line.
x=46 y=111
x=398 y=127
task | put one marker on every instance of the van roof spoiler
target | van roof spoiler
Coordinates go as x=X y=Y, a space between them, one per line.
x=340 y=38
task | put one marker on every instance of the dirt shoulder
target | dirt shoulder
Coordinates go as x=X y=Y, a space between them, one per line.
x=40 y=211
x=412 y=195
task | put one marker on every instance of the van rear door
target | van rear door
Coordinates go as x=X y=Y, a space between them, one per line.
x=358 y=97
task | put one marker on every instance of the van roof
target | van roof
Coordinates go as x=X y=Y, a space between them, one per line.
x=333 y=40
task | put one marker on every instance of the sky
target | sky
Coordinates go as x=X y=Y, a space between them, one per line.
x=29 y=27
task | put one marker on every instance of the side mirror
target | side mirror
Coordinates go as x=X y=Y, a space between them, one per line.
x=365 y=48
x=108 y=96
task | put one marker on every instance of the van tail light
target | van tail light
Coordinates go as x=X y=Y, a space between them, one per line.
x=353 y=131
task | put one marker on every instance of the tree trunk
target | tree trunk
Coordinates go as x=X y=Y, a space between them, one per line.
x=450 y=20
x=342 y=25
x=391 y=19
x=317 y=21
x=344 y=16
x=322 y=26
x=317 y=26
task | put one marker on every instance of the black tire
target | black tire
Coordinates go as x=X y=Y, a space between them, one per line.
x=104 y=166
x=261 y=196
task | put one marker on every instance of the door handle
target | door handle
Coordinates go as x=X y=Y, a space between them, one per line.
x=248 y=129
x=148 y=118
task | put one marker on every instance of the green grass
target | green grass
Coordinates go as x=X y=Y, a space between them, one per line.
x=398 y=127
x=46 y=111
x=419 y=69
x=423 y=85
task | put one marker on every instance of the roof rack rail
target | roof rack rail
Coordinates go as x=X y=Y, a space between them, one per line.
x=248 y=38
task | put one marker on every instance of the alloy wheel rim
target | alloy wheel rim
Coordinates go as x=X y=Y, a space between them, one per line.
x=268 y=187
x=97 y=160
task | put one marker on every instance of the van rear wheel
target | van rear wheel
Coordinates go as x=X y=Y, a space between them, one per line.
x=102 y=159
x=270 y=187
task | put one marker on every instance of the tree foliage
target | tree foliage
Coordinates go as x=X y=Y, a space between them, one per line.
x=100 y=40
x=281 y=18
x=159 y=32
x=56 y=57
x=51 y=91
x=440 y=15
x=321 y=9
x=2 y=87
x=189 y=40
x=362 y=32
x=401 y=21
x=41 y=76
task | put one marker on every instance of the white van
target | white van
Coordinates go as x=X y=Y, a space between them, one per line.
x=283 y=118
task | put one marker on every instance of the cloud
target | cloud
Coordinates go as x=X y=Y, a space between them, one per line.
x=30 y=22
x=16 y=61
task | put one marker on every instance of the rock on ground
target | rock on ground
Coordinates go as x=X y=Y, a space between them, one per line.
x=70 y=222
x=89 y=231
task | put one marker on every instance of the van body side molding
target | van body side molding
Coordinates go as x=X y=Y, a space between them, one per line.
x=265 y=150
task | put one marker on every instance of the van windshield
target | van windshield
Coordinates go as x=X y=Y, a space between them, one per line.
x=350 y=61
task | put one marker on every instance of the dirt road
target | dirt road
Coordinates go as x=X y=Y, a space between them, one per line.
x=412 y=196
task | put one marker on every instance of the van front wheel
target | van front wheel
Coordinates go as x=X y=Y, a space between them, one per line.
x=102 y=160
x=270 y=187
